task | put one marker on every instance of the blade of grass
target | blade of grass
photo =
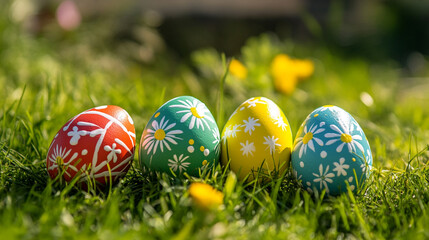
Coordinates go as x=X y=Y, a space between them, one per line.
x=220 y=102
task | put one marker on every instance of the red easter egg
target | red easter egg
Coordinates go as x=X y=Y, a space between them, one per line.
x=97 y=144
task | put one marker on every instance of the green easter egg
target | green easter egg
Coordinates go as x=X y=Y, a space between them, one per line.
x=182 y=136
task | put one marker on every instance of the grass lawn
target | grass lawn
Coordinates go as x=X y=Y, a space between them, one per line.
x=44 y=82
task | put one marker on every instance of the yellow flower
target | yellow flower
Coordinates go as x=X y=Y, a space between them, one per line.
x=303 y=68
x=286 y=72
x=286 y=84
x=237 y=69
x=205 y=196
x=282 y=65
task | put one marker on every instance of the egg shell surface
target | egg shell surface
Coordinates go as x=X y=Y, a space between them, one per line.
x=330 y=147
x=256 y=137
x=182 y=136
x=97 y=143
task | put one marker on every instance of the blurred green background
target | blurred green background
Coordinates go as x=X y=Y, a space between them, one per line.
x=375 y=30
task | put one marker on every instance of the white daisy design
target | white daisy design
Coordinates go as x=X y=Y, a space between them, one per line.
x=368 y=157
x=76 y=134
x=195 y=110
x=363 y=167
x=345 y=138
x=270 y=141
x=235 y=130
x=308 y=139
x=277 y=116
x=247 y=148
x=216 y=140
x=323 y=177
x=231 y=131
x=227 y=134
x=280 y=122
x=112 y=152
x=340 y=166
x=58 y=156
x=250 y=125
x=233 y=113
x=253 y=101
x=161 y=134
x=358 y=128
x=326 y=107
x=366 y=166
x=178 y=163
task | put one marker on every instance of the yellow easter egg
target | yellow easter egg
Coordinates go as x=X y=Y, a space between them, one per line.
x=256 y=139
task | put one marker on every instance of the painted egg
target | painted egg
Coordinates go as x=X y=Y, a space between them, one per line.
x=97 y=144
x=182 y=136
x=257 y=137
x=331 y=151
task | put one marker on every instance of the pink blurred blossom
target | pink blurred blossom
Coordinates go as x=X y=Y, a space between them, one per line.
x=68 y=15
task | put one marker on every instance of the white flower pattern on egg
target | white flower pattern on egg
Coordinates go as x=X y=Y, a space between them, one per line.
x=112 y=152
x=216 y=140
x=280 y=122
x=328 y=166
x=75 y=135
x=234 y=130
x=345 y=137
x=189 y=143
x=323 y=177
x=366 y=166
x=227 y=134
x=195 y=110
x=178 y=163
x=58 y=156
x=340 y=167
x=161 y=134
x=247 y=148
x=327 y=107
x=253 y=101
x=257 y=135
x=96 y=126
x=270 y=141
x=308 y=139
x=276 y=115
x=231 y=131
x=250 y=125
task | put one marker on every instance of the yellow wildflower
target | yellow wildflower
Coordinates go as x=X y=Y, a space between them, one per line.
x=205 y=196
x=282 y=65
x=286 y=84
x=282 y=70
x=286 y=72
x=237 y=69
x=303 y=68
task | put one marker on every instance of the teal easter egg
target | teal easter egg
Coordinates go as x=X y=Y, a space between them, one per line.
x=330 y=152
x=182 y=136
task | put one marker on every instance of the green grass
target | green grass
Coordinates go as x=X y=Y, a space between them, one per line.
x=44 y=82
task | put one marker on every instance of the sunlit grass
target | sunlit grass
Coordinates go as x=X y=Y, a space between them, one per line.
x=42 y=89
